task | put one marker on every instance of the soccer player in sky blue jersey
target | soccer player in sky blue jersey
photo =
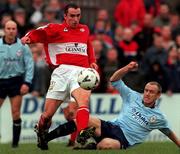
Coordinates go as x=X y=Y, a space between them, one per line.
x=138 y=117
x=16 y=74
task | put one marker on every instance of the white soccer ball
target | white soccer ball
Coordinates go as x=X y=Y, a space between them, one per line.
x=88 y=79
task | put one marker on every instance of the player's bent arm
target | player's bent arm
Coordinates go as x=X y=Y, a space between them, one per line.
x=171 y=135
x=122 y=71
x=36 y=36
x=40 y=34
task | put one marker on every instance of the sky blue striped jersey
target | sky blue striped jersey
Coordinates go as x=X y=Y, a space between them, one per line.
x=16 y=60
x=136 y=120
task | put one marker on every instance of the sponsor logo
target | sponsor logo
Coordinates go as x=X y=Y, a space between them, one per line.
x=75 y=48
x=10 y=60
x=69 y=48
x=139 y=117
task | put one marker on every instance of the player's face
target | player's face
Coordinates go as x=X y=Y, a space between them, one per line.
x=72 y=17
x=10 y=30
x=151 y=94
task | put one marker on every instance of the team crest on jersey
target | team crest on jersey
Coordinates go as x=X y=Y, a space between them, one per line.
x=153 y=119
x=19 y=53
x=82 y=29
x=65 y=29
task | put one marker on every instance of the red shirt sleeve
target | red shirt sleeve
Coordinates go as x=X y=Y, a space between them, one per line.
x=40 y=34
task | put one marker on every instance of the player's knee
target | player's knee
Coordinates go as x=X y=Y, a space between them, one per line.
x=70 y=116
x=104 y=144
x=108 y=144
x=84 y=102
x=83 y=99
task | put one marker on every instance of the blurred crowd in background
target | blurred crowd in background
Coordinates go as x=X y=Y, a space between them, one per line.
x=146 y=31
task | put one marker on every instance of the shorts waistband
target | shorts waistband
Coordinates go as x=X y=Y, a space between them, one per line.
x=70 y=66
x=12 y=78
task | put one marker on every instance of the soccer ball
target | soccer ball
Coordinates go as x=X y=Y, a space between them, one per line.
x=88 y=79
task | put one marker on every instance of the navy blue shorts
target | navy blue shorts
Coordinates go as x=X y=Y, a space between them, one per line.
x=10 y=87
x=109 y=130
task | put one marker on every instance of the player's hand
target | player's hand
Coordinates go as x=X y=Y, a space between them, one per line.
x=132 y=66
x=24 y=89
x=94 y=65
x=25 y=40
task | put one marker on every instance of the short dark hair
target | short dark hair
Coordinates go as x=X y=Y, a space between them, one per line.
x=70 y=5
x=157 y=84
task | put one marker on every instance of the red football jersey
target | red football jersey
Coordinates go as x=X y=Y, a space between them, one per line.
x=65 y=45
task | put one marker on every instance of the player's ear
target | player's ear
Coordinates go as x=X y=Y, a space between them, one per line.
x=158 y=95
x=65 y=16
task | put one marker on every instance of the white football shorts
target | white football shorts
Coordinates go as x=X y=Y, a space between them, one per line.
x=63 y=82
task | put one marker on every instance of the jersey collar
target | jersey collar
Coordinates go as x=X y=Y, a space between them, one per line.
x=68 y=27
x=4 y=41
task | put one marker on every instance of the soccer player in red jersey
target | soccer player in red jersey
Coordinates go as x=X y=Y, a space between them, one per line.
x=66 y=45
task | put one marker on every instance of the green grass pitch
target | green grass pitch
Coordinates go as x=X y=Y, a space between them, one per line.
x=60 y=148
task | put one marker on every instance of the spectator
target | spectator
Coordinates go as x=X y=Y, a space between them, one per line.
x=166 y=34
x=158 y=73
x=49 y=15
x=100 y=54
x=153 y=6
x=164 y=16
x=58 y=8
x=36 y=11
x=20 y=17
x=128 y=11
x=118 y=34
x=173 y=68
x=156 y=53
x=10 y=6
x=99 y=33
x=175 y=25
x=4 y=18
x=112 y=64
x=177 y=41
x=42 y=71
x=103 y=14
x=129 y=46
x=144 y=38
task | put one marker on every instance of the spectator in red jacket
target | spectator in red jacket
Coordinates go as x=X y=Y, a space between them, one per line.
x=128 y=11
